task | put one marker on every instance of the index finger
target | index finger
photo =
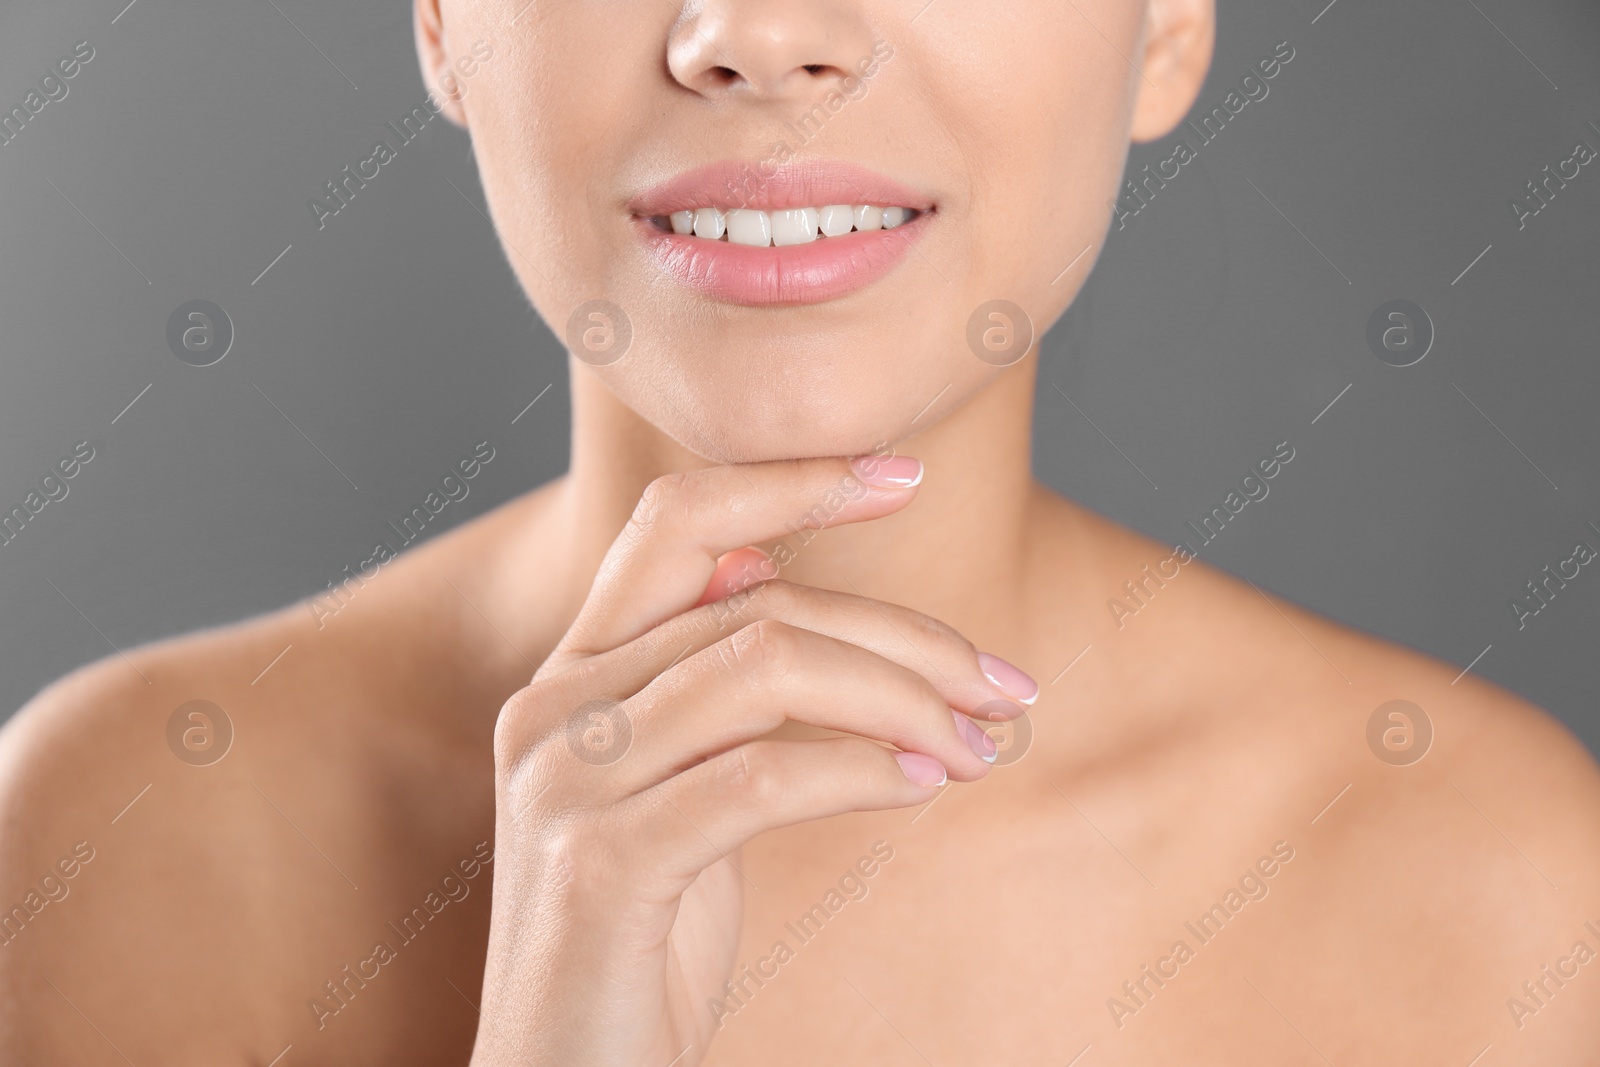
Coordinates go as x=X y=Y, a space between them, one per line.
x=660 y=564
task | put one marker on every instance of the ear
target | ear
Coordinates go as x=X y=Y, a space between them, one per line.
x=1178 y=42
x=433 y=53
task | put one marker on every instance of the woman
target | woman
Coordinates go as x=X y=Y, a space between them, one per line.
x=765 y=801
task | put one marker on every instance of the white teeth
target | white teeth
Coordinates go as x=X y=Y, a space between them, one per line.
x=836 y=220
x=747 y=227
x=793 y=226
x=708 y=223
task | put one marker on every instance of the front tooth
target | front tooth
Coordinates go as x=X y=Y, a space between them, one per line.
x=794 y=227
x=894 y=216
x=746 y=227
x=868 y=217
x=683 y=222
x=836 y=220
x=708 y=223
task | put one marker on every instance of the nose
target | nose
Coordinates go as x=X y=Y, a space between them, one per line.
x=767 y=49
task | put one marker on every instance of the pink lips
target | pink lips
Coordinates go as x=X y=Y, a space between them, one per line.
x=826 y=269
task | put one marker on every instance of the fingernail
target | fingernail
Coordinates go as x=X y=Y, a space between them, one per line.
x=888 y=472
x=976 y=737
x=921 y=770
x=1008 y=679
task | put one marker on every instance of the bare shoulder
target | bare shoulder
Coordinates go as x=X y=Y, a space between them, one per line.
x=175 y=840
x=124 y=823
x=1450 y=857
x=1427 y=726
x=196 y=838
x=1403 y=716
x=1445 y=890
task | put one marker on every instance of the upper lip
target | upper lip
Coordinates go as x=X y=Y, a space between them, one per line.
x=763 y=186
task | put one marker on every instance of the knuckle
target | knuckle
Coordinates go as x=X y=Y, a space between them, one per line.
x=751 y=773
x=766 y=649
x=777 y=597
x=940 y=633
x=586 y=674
x=662 y=501
x=517 y=728
x=526 y=773
x=575 y=852
x=533 y=735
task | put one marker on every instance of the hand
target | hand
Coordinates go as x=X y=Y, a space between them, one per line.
x=617 y=905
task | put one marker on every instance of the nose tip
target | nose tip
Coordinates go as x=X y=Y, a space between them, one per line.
x=767 y=49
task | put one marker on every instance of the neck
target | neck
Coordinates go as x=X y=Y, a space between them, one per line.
x=959 y=552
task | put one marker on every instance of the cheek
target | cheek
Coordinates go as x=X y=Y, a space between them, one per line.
x=1042 y=149
x=549 y=131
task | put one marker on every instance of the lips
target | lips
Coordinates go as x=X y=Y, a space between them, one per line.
x=799 y=234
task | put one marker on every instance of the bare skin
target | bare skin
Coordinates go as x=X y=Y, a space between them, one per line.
x=1170 y=759
x=394 y=762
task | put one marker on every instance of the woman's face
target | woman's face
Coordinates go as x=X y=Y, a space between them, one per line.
x=977 y=145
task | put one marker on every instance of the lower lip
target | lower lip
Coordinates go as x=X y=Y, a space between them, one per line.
x=826 y=269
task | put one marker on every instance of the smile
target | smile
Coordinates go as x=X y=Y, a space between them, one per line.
x=794 y=226
x=802 y=234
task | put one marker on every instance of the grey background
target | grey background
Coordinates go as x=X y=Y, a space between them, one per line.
x=397 y=338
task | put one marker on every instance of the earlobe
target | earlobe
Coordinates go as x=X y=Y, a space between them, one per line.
x=433 y=55
x=1178 y=42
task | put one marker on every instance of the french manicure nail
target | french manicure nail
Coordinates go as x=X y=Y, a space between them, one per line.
x=921 y=770
x=976 y=737
x=1008 y=679
x=888 y=472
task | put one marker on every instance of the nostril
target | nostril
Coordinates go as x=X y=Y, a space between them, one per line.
x=725 y=75
x=815 y=68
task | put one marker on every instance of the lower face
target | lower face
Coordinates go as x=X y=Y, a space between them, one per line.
x=796 y=272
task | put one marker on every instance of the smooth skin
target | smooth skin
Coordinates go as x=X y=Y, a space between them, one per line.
x=398 y=745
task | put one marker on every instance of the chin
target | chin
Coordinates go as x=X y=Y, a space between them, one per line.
x=793 y=403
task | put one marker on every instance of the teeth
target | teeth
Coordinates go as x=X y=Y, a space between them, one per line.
x=747 y=227
x=794 y=226
x=708 y=223
x=836 y=220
